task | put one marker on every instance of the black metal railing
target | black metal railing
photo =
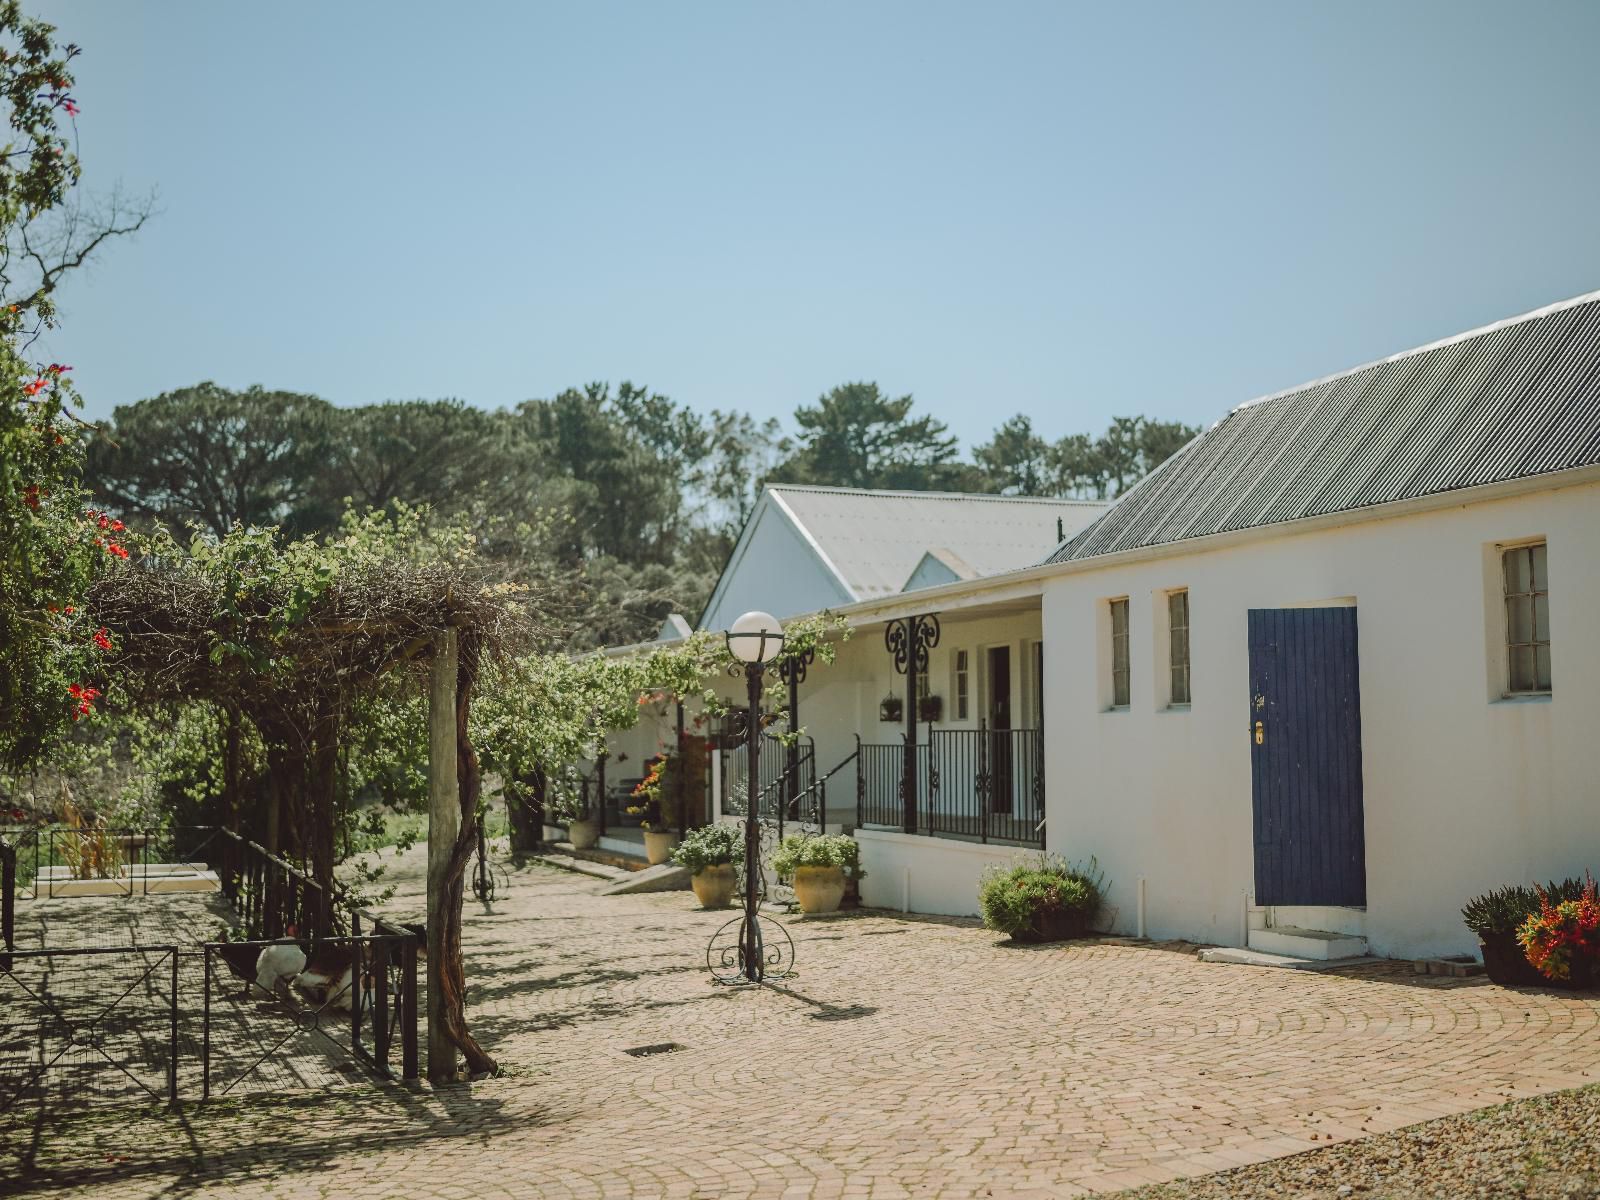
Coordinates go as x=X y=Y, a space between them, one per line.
x=89 y=1024
x=979 y=784
x=786 y=773
x=274 y=901
x=57 y=860
x=371 y=996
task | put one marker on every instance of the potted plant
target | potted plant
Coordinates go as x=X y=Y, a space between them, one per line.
x=569 y=806
x=1562 y=940
x=1042 y=899
x=1498 y=916
x=710 y=854
x=658 y=836
x=890 y=708
x=930 y=708
x=818 y=867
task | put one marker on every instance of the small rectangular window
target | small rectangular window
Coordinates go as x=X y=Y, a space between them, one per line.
x=1119 y=653
x=961 y=685
x=1527 y=620
x=1178 y=626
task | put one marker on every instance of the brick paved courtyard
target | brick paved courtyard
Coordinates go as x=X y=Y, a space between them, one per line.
x=911 y=1057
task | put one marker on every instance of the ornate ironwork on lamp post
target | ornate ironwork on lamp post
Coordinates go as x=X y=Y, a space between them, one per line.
x=754 y=639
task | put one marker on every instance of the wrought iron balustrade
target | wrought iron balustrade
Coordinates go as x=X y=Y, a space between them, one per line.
x=979 y=784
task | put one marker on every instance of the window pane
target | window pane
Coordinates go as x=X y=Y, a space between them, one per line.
x=1519 y=619
x=1180 y=647
x=1541 y=617
x=1536 y=557
x=1180 y=685
x=1522 y=669
x=1178 y=607
x=1517 y=578
x=1541 y=676
x=1120 y=690
x=1119 y=617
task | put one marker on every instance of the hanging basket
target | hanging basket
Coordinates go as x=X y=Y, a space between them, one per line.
x=891 y=708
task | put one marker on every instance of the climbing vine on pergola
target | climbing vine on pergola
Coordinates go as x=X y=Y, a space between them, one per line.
x=286 y=636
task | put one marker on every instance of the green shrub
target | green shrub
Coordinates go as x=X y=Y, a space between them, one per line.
x=1041 y=898
x=1506 y=909
x=710 y=846
x=819 y=850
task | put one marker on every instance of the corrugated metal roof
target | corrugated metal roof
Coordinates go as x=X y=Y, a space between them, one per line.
x=1518 y=398
x=875 y=540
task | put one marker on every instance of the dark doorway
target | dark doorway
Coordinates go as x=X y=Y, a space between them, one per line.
x=999 y=719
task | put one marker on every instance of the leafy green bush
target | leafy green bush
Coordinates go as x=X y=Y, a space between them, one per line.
x=710 y=846
x=819 y=850
x=1506 y=909
x=1041 y=899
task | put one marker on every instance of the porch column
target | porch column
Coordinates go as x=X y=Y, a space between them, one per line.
x=793 y=672
x=909 y=639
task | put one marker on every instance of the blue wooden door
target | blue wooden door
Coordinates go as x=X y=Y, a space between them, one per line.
x=1305 y=756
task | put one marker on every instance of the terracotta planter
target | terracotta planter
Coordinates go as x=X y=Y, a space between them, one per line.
x=1506 y=964
x=658 y=846
x=819 y=889
x=713 y=886
x=583 y=834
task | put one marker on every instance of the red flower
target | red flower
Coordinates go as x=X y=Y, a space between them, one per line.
x=119 y=551
x=72 y=109
x=58 y=368
x=30 y=495
x=34 y=388
x=117 y=527
x=102 y=638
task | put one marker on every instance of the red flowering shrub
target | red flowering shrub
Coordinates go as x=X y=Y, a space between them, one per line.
x=1563 y=940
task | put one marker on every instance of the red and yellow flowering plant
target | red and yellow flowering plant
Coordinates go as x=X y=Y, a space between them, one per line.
x=1562 y=940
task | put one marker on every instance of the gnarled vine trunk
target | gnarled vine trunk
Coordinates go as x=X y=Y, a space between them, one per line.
x=448 y=972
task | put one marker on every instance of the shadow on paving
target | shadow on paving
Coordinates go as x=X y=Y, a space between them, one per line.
x=201 y=1145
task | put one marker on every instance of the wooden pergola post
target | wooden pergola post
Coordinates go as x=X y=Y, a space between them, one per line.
x=444 y=826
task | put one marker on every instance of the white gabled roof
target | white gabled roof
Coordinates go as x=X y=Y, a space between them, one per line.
x=871 y=542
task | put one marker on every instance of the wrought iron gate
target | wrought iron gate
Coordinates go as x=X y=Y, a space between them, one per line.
x=71 y=1014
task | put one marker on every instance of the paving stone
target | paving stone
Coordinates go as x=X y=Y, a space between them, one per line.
x=909 y=1057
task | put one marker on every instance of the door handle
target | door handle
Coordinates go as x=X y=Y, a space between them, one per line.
x=1261 y=733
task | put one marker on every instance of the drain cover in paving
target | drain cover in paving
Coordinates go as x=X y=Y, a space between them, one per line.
x=658 y=1048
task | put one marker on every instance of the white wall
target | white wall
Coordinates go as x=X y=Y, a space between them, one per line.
x=942 y=875
x=1464 y=791
x=775 y=571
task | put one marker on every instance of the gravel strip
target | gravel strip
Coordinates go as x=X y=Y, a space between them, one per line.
x=1543 y=1147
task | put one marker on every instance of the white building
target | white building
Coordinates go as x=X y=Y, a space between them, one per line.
x=1319 y=679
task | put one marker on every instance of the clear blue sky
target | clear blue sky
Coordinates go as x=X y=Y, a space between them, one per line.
x=1060 y=209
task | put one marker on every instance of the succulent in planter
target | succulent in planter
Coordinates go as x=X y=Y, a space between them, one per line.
x=710 y=854
x=1042 y=899
x=1497 y=916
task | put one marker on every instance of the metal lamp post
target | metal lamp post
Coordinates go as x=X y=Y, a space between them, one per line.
x=754 y=640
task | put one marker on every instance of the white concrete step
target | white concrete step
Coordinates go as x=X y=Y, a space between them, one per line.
x=1259 y=958
x=1351 y=921
x=1298 y=942
x=1239 y=956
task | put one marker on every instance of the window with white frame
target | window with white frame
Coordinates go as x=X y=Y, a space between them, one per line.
x=1120 y=690
x=1527 y=596
x=963 y=678
x=1178 y=645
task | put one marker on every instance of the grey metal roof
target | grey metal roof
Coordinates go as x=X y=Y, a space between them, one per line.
x=1518 y=398
x=874 y=540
